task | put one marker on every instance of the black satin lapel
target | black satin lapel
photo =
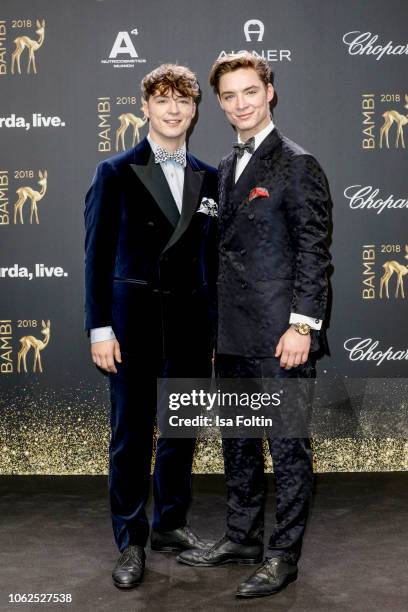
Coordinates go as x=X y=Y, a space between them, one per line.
x=240 y=190
x=227 y=180
x=271 y=142
x=193 y=180
x=267 y=159
x=152 y=177
x=230 y=175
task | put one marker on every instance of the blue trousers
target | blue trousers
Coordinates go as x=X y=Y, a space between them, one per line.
x=133 y=415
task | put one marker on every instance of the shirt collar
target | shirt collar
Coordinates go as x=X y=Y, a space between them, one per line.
x=155 y=146
x=260 y=136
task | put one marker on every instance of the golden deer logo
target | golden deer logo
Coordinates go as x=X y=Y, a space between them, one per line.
x=35 y=196
x=37 y=344
x=32 y=45
x=389 y=268
x=389 y=118
x=125 y=120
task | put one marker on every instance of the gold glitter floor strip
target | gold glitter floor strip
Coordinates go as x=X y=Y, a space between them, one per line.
x=43 y=431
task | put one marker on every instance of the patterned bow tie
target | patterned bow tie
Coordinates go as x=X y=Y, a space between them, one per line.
x=241 y=147
x=162 y=155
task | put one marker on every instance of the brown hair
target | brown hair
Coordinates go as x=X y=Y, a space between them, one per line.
x=234 y=61
x=173 y=77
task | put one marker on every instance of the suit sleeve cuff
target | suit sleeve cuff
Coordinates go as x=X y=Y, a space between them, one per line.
x=100 y=334
x=298 y=318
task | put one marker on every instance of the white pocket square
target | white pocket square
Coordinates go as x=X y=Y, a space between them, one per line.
x=209 y=207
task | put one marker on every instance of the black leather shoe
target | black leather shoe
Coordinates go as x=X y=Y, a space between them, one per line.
x=128 y=571
x=223 y=551
x=273 y=575
x=183 y=538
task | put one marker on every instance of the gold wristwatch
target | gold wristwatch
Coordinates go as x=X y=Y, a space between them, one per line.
x=302 y=328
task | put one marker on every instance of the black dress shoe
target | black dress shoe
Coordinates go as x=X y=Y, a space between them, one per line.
x=223 y=551
x=273 y=575
x=183 y=538
x=128 y=571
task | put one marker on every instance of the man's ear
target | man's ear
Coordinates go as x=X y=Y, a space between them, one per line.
x=270 y=92
x=194 y=109
x=145 y=108
x=220 y=101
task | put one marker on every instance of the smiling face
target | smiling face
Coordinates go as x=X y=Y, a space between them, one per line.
x=170 y=114
x=245 y=100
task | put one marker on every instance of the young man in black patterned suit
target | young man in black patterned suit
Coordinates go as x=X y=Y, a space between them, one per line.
x=272 y=290
x=150 y=308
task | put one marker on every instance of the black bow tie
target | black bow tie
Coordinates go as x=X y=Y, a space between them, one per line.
x=241 y=147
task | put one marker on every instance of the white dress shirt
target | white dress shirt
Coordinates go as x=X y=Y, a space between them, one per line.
x=174 y=174
x=241 y=164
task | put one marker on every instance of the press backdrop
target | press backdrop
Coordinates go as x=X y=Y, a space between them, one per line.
x=70 y=77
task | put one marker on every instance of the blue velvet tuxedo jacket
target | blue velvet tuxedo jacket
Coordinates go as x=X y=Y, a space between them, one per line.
x=273 y=255
x=149 y=272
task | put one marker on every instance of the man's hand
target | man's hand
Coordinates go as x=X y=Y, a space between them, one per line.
x=293 y=349
x=105 y=353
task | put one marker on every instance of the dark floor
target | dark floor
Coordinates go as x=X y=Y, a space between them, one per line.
x=56 y=537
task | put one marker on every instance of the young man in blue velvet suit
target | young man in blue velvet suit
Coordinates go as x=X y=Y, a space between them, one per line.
x=272 y=289
x=150 y=219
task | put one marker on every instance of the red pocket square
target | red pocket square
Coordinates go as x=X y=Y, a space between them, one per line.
x=258 y=192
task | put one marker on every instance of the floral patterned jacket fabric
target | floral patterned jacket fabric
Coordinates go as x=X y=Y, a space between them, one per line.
x=273 y=227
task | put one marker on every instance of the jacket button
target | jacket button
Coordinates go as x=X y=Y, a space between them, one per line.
x=251 y=216
x=244 y=285
x=150 y=224
x=242 y=252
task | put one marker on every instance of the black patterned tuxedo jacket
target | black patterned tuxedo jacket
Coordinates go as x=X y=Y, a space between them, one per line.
x=273 y=255
x=149 y=272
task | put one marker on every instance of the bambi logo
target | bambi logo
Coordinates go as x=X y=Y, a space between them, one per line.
x=125 y=120
x=400 y=270
x=32 y=45
x=400 y=120
x=35 y=196
x=37 y=344
x=259 y=29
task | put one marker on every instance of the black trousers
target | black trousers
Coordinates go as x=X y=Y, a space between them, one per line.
x=133 y=414
x=244 y=470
